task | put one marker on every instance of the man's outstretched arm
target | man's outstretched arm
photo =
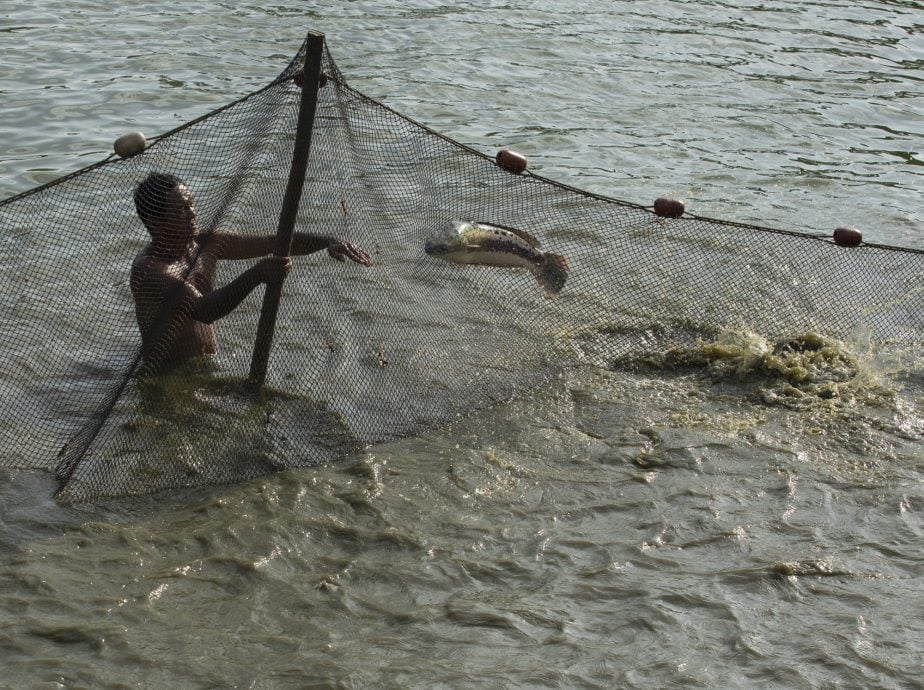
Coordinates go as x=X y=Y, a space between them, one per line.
x=229 y=245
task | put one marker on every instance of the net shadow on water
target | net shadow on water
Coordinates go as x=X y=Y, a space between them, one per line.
x=364 y=355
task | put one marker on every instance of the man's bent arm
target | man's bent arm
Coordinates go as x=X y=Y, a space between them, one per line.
x=221 y=302
x=224 y=300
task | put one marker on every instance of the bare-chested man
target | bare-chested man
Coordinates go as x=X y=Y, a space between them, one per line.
x=171 y=279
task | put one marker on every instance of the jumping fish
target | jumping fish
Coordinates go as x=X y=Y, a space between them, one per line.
x=490 y=245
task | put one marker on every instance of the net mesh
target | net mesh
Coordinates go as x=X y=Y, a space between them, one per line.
x=365 y=354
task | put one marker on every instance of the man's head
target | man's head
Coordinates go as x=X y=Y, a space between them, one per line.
x=165 y=206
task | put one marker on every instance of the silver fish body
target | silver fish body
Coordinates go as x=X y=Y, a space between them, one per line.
x=489 y=245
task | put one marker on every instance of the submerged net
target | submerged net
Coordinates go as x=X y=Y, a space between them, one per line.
x=362 y=355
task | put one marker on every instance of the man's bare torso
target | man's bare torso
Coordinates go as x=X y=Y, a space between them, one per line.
x=168 y=333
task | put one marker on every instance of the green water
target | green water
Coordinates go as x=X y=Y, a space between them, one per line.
x=740 y=513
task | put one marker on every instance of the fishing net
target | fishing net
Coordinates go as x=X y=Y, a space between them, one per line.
x=365 y=354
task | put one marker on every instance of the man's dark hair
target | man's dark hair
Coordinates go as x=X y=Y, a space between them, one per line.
x=151 y=195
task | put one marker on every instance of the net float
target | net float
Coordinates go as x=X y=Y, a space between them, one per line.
x=668 y=208
x=129 y=144
x=511 y=161
x=847 y=237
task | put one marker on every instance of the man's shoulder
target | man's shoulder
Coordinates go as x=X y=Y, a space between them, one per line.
x=148 y=270
x=145 y=261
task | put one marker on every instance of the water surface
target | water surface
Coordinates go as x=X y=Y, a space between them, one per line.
x=705 y=518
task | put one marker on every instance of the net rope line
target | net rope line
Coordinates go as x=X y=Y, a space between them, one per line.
x=367 y=355
x=112 y=158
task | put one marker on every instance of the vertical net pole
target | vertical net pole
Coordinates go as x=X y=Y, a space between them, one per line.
x=307 y=107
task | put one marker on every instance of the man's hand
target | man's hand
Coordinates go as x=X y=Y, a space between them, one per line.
x=273 y=269
x=344 y=250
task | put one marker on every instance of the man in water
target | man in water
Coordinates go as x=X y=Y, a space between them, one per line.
x=172 y=277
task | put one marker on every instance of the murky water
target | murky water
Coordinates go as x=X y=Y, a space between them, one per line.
x=742 y=513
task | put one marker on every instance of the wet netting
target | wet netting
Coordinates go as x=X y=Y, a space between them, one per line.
x=359 y=354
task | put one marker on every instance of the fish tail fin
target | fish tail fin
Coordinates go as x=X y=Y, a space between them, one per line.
x=552 y=272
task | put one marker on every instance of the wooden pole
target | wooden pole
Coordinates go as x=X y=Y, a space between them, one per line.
x=307 y=108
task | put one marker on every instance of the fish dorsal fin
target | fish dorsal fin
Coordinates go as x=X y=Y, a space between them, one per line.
x=522 y=234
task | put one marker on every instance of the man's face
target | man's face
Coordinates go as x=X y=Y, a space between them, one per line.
x=179 y=218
